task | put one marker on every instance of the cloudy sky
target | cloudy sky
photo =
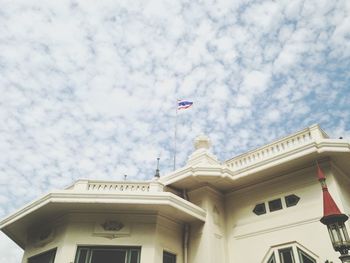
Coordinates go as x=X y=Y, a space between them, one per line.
x=89 y=88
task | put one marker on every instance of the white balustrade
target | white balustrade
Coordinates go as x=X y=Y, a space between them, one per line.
x=84 y=185
x=118 y=186
x=276 y=148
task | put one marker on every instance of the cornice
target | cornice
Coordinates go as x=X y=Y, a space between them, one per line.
x=321 y=146
x=158 y=198
x=198 y=170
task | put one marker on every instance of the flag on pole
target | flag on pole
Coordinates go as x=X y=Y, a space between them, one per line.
x=183 y=104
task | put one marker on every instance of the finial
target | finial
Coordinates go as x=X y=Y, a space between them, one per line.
x=125 y=175
x=320 y=174
x=157 y=170
x=330 y=208
x=202 y=141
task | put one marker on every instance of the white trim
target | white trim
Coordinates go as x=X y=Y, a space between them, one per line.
x=160 y=198
x=292 y=244
x=273 y=229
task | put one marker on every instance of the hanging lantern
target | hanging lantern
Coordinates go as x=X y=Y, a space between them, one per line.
x=337 y=232
x=335 y=221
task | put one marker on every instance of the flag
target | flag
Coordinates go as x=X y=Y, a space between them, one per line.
x=183 y=104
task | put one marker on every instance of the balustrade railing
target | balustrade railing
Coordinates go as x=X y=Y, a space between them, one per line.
x=276 y=148
x=119 y=186
x=103 y=186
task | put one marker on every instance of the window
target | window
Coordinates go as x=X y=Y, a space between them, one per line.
x=275 y=205
x=291 y=200
x=305 y=258
x=108 y=255
x=286 y=255
x=291 y=252
x=272 y=259
x=46 y=257
x=260 y=209
x=169 y=257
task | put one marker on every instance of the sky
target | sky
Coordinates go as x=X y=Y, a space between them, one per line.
x=88 y=89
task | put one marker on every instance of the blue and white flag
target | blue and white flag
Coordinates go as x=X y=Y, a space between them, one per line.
x=183 y=104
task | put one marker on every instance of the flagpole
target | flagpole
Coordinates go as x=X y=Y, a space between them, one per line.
x=175 y=135
x=181 y=104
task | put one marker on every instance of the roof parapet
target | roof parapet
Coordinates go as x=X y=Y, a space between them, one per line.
x=311 y=134
x=117 y=186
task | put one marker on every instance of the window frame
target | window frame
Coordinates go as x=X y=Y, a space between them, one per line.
x=295 y=247
x=257 y=208
x=302 y=252
x=165 y=252
x=289 y=203
x=289 y=249
x=90 y=249
x=272 y=258
x=51 y=260
x=272 y=203
x=284 y=203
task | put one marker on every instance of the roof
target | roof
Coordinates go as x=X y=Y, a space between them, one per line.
x=98 y=196
x=203 y=168
x=281 y=156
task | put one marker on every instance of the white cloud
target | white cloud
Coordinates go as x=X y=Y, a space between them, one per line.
x=273 y=115
x=10 y=252
x=88 y=89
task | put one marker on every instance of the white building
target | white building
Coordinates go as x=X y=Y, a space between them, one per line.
x=261 y=206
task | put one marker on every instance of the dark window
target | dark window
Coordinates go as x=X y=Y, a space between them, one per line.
x=275 y=205
x=107 y=255
x=168 y=257
x=46 y=257
x=272 y=259
x=134 y=255
x=286 y=255
x=291 y=200
x=305 y=258
x=260 y=209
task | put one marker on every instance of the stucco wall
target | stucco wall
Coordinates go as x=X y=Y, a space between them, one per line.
x=250 y=236
x=342 y=179
x=168 y=238
x=152 y=233
x=208 y=241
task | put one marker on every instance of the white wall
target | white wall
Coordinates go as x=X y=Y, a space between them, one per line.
x=250 y=236
x=208 y=241
x=152 y=233
x=342 y=179
x=169 y=236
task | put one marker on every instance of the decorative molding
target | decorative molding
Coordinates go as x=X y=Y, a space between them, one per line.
x=161 y=198
x=112 y=225
x=111 y=229
x=276 y=228
x=43 y=236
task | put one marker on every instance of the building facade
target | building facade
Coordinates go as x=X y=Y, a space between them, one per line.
x=262 y=206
